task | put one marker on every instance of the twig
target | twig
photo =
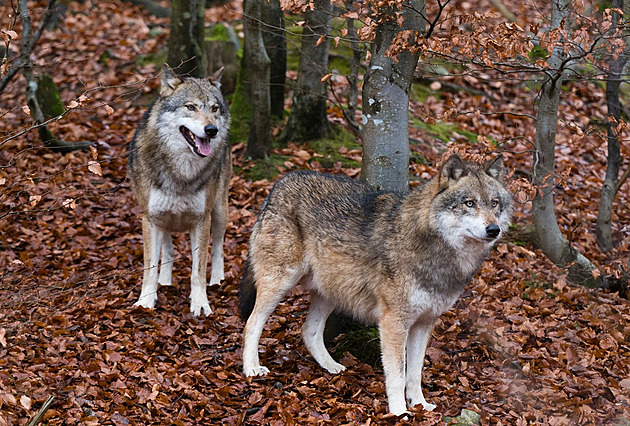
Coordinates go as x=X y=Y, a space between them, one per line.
x=622 y=180
x=40 y=414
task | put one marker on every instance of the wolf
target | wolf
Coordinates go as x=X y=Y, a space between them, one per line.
x=180 y=167
x=391 y=259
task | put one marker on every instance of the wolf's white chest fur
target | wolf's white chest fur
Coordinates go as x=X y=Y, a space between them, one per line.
x=429 y=302
x=176 y=213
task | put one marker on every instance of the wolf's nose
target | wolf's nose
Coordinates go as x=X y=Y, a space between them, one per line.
x=211 y=130
x=493 y=230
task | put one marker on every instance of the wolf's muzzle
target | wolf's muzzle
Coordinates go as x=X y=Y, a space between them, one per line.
x=493 y=231
x=211 y=130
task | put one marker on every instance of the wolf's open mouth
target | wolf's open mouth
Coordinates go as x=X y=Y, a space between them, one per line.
x=201 y=146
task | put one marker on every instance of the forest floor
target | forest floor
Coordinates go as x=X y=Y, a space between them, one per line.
x=521 y=346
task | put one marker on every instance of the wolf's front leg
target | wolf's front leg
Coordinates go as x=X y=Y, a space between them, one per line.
x=219 y=225
x=166 y=260
x=393 y=335
x=416 y=348
x=152 y=237
x=199 y=236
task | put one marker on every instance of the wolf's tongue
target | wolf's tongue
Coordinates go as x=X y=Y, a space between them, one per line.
x=203 y=145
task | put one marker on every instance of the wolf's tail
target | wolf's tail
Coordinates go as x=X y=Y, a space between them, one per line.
x=247 y=292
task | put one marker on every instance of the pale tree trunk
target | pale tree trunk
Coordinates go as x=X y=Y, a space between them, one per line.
x=386 y=103
x=186 y=40
x=552 y=242
x=258 y=64
x=276 y=46
x=308 y=118
x=603 y=229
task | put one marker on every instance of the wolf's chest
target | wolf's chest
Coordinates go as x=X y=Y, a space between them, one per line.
x=431 y=301
x=174 y=212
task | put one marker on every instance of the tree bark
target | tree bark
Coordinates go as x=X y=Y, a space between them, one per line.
x=552 y=242
x=308 y=118
x=258 y=64
x=603 y=228
x=275 y=42
x=186 y=39
x=353 y=78
x=386 y=103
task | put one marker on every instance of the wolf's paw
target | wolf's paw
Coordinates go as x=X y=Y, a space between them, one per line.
x=147 y=301
x=334 y=368
x=255 y=371
x=215 y=281
x=197 y=308
x=428 y=406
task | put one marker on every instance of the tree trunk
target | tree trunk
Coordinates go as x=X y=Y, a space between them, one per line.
x=353 y=78
x=308 y=118
x=28 y=42
x=186 y=39
x=276 y=46
x=552 y=242
x=258 y=65
x=386 y=103
x=603 y=229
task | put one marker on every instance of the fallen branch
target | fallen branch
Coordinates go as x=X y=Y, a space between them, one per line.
x=40 y=414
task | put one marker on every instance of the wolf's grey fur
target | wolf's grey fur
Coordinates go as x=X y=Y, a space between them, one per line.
x=180 y=167
x=396 y=260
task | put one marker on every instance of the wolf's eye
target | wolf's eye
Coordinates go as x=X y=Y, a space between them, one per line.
x=191 y=107
x=494 y=203
x=215 y=108
x=469 y=203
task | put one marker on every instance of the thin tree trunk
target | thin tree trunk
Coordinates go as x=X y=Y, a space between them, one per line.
x=26 y=47
x=258 y=64
x=386 y=103
x=353 y=78
x=275 y=42
x=603 y=228
x=552 y=242
x=186 y=39
x=308 y=118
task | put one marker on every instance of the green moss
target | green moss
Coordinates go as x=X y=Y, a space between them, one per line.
x=444 y=131
x=240 y=110
x=48 y=97
x=263 y=169
x=329 y=148
x=420 y=92
x=343 y=334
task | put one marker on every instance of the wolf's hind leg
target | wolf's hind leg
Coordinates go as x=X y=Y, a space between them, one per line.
x=152 y=237
x=268 y=294
x=313 y=333
x=166 y=260
x=219 y=225
x=416 y=348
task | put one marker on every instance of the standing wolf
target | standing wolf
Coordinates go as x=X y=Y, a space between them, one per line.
x=397 y=260
x=180 y=165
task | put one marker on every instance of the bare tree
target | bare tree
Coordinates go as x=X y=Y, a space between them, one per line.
x=186 y=39
x=386 y=100
x=258 y=66
x=308 y=118
x=552 y=242
x=616 y=64
x=275 y=41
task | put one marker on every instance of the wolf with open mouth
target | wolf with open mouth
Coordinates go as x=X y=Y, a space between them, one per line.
x=180 y=167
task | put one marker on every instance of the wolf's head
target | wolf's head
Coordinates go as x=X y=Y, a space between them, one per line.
x=472 y=205
x=191 y=113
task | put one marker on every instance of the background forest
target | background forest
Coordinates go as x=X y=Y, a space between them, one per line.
x=540 y=336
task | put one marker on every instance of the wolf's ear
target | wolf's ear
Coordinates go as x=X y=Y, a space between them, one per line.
x=169 y=80
x=452 y=169
x=215 y=78
x=495 y=168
